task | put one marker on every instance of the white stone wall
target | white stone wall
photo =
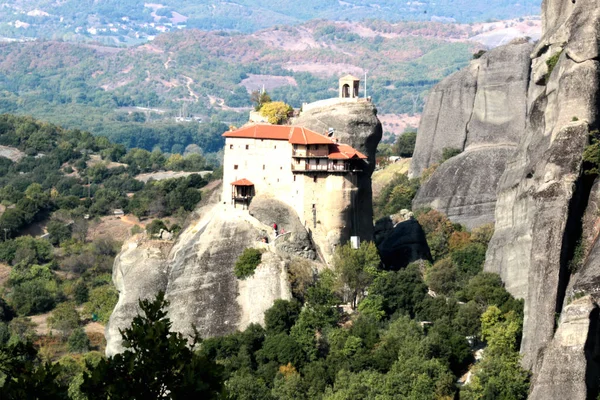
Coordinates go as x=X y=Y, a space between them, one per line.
x=264 y=162
x=268 y=164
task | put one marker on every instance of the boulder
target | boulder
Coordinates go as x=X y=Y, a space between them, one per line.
x=403 y=244
x=293 y=238
x=196 y=273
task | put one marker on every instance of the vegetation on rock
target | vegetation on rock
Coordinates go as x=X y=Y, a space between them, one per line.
x=247 y=263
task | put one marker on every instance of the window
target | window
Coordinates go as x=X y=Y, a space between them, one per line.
x=295 y=181
x=318 y=161
x=263 y=166
x=280 y=168
x=297 y=161
x=295 y=147
x=275 y=146
x=231 y=146
x=315 y=181
x=247 y=147
x=235 y=167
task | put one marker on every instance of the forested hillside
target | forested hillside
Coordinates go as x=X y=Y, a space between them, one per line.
x=209 y=75
x=127 y=20
x=57 y=187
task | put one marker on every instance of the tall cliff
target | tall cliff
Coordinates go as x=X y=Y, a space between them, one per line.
x=480 y=111
x=542 y=201
x=196 y=273
x=545 y=247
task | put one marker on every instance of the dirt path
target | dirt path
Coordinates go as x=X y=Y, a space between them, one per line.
x=189 y=82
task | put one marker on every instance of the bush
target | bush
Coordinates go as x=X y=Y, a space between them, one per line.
x=155 y=226
x=282 y=316
x=79 y=342
x=449 y=152
x=64 y=318
x=81 y=292
x=247 y=263
x=102 y=302
x=59 y=232
x=33 y=296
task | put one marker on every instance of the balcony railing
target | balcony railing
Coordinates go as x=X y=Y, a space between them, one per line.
x=310 y=153
x=329 y=167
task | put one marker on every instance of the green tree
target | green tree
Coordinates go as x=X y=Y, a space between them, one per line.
x=58 y=231
x=356 y=267
x=282 y=316
x=499 y=375
x=247 y=263
x=405 y=144
x=26 y=377
x=64 y=318
x=157 y=363
x=79 y=342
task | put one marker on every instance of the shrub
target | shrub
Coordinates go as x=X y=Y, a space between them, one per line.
x=551 y=62
x=81 y=292
x=449 y=152
x=33 y=296
x=102 y=302
x=64 y=318
x=277 y=112
x=79 y=342
x=426 y=174
x=155 y=226
x=247 y=263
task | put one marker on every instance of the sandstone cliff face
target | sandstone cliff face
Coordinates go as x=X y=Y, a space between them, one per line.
x=480 y=111
x=196 y=273
x=139 y=272
x=355 y=124
x=543 y=194
x=569 y=369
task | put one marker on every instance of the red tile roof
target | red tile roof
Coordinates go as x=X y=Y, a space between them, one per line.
x=242 y=182
x=344 y=152
x=293 y=134
x=305 y=136
x=261 y=131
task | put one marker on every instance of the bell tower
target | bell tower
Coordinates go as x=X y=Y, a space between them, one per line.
x=349 y=87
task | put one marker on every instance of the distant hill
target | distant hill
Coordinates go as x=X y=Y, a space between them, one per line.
x=131 y=94
x=128 y=20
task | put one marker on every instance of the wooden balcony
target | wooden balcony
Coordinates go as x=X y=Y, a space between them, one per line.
x=330 y=167
x=322 y=153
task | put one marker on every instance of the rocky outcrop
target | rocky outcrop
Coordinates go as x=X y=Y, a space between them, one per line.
x=543 y=193
x=196 y=273
x=356 y=124
x=570 y=368
x=480 y=111
x=400 y=243
x=482 y=104
x=139 y=272
x=293 y=238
